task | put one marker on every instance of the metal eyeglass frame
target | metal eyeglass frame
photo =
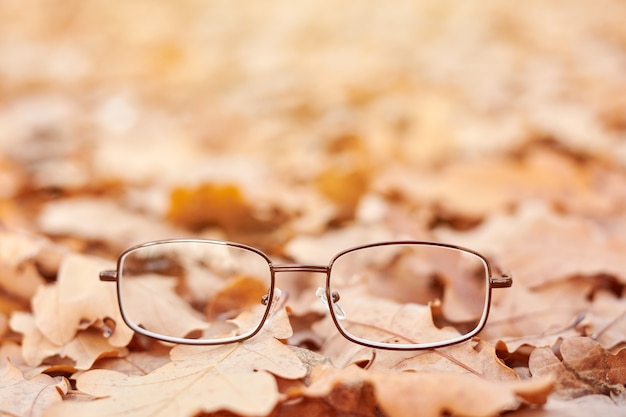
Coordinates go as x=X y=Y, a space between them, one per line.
x=497 y=281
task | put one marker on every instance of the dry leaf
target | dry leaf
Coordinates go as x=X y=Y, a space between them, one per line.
x=216 y=205
x=78 y=300
x=540 y=316
x=234 y=377
x=19 y=274
x=136 y=363
x=590 y=405
x=84 y=348
x=101 y=220
x=467 y=189
x=344 y=189
x=73 y=317
x=439 y=393
x=548 y=238
x=32 y=397
x=586 y=368
x=305 y=129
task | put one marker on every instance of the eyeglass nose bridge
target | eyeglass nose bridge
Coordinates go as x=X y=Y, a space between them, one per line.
x=323 y=269
x=320 y=292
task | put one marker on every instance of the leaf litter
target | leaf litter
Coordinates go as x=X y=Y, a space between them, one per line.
x=303 y=130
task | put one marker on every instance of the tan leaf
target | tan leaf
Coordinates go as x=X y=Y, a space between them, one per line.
x=98 y=219
x=84 y=348
x=136 y=363
x=21 y=397
x=234 y=377
x=477 y=188
x=77 y=300
x=548 y=239
x=608 y=317
x=166 y=313
x=475 y=357
x=35 y=346
x=589 y=405
x=18 y=270
x=433 y=394
x=540 y=316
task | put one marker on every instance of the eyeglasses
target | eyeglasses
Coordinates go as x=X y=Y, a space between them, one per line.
x=398 y=295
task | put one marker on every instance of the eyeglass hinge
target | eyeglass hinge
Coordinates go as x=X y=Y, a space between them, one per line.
x=109 y=276
x=503 y=281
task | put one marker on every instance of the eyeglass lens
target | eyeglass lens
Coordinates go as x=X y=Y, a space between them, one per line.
x=194 y=290
x=410 y=294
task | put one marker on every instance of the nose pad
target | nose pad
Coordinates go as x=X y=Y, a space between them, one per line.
x=321 y=294
x=278 y=300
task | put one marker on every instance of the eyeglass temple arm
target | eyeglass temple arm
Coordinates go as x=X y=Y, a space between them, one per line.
x=108 y=276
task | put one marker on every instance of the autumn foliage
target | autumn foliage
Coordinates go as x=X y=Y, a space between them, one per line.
x=305 y=128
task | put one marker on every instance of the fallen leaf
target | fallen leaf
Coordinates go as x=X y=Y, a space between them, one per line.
x=32 y=397
x=136 y=363
x=19 y=275
x=586 y=368
x=229 y=209
x=590 y=405
x=234 y=377
x=101 y=220
x=344 y=188
x=466 y=189
x=548 y=238
x=78 y=299
x=84 y=348
x=539 y=316
x=439 y=393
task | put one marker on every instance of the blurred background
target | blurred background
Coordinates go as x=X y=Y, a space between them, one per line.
x=288 y=112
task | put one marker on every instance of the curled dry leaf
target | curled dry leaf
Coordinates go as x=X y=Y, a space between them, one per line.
x=585 y=368
x=32 y=397
x=79 y=299
x=235 y=377
x=73 y=317
x=83 y=349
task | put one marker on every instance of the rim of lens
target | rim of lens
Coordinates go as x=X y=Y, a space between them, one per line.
x=414 y=346
x=181 y=340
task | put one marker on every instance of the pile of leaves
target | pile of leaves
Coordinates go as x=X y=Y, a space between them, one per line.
x=303 y=129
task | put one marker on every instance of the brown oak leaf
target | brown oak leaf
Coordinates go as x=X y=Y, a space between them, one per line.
x=585 y=368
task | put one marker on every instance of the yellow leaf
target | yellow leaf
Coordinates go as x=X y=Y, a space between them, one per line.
x=216 y=205
x=344 y=188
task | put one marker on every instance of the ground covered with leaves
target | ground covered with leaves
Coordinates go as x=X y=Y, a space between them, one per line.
x=304 y=128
